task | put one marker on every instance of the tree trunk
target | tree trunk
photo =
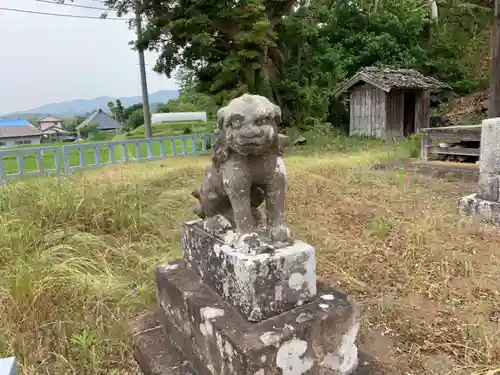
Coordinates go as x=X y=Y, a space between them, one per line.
x=494 y=102
x=434 y=11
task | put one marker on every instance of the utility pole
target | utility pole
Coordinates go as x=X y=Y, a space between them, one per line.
x=142 y=67
x=494 y=102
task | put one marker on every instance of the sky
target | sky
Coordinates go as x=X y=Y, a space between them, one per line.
x=50 y=59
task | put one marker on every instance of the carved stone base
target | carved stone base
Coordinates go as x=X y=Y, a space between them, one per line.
x=157 y=355
x=260 y=286
x=471 y=205
x=488 y=187
x=318 y=338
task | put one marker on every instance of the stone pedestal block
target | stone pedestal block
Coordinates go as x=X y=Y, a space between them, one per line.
x=490 y=146
x=472 y=205
x=8 y=366
x=485 y=202
x=260 y=286
x=318 y=338
x=488 y=187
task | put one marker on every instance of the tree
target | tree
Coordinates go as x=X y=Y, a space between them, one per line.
x=135 y=119
x=292 y=56
x=295 y=53
x=494 y=104
x=89 y=129
x=117 y=110
x=112 y=109
x=129 y=110
x=189 y=100
x=231 y=46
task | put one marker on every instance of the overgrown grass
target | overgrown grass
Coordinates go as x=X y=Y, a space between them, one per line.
x=77 y=259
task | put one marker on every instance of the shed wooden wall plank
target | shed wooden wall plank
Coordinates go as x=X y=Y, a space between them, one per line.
x=368 y=111
x=395 y=113
x=422 y=108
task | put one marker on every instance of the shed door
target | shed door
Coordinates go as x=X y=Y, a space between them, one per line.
x=409 y=113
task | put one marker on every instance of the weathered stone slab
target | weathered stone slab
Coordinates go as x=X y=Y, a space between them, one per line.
x=488 y=187
x=488 y=211
x=490 y=146
x=260 y=286
x=485 y=202
x=318 y=338
x=154 y=354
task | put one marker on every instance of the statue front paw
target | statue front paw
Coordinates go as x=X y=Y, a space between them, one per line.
x=217 y=225
x=247 y=243
x=250 y=243
x=280 y=233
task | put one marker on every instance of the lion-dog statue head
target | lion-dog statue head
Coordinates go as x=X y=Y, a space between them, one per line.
x=248 y=125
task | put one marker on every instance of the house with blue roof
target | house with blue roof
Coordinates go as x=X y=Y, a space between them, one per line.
x=14 y=123
x=18 y=132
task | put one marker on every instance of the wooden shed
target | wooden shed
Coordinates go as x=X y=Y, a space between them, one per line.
x=388 y=103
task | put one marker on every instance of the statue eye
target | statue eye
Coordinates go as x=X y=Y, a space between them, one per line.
x=265 y=120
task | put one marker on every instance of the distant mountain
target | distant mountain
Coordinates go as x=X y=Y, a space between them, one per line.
x=83 y=106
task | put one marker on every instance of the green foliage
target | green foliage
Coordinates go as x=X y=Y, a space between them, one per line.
x=127 y=112
x=458 y=52
x=413 y=145
x=89 y=129
x=117 y=110
x=135 y=119
x=189 y=99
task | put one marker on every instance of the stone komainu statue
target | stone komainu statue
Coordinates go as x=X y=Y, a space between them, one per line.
x=247 y=169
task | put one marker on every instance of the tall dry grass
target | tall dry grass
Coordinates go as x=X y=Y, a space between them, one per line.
x=77 y=260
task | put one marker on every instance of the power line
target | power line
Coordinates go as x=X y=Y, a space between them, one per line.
x=72 y=5
x=62 y=15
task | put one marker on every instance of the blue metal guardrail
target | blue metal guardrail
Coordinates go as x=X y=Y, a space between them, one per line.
x=57 y=160
x=8 y=366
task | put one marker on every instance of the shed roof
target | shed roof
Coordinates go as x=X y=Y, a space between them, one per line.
x=390 y=78
x=102 y=120
x=19 y=131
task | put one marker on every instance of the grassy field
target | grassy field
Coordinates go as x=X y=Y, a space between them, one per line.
x=77 y=259
x=11 y=163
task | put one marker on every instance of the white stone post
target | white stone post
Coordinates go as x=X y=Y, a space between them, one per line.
x=8 y=366
x=485 y=202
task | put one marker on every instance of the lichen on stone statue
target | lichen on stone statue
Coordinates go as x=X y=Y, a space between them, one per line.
x=247 y=169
